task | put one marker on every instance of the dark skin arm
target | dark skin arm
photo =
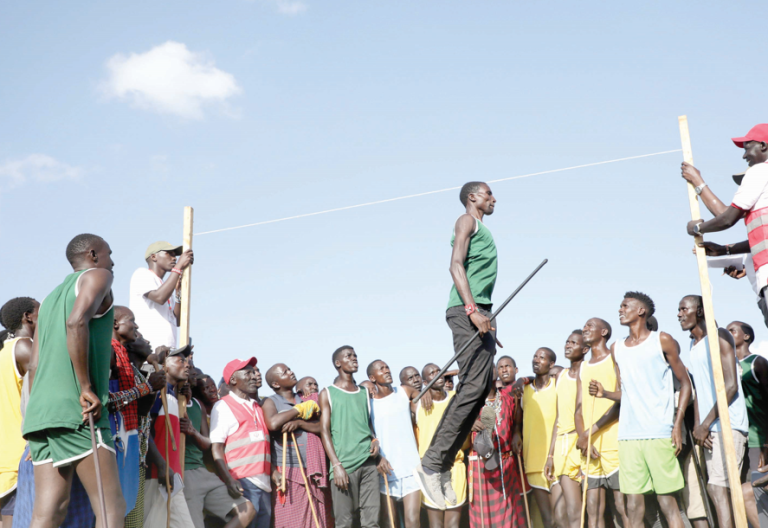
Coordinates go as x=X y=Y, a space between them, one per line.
x=199 y=438
x=719 y=223
x=672 y=354
x=94 y=294
x=164 y=292
x=23 y=355
x=465 y=226
x=222 y=471
x=730 y=377
x=32 y=365
x=340 y=477
x=711 y=201
x=760 y=368
x=517 y=438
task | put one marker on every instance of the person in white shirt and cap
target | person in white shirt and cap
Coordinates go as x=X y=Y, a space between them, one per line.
x=154 y=303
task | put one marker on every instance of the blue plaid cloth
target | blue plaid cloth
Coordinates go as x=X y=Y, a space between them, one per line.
x=79 y=513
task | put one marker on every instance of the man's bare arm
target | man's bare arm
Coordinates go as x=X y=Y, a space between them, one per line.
x=23 y=354
x=730 y=376
x=671 y=350
x=95 y=286
x=719 y=223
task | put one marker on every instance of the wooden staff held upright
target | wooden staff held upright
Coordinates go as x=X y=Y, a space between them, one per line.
x=737 y=498
x=186 y=288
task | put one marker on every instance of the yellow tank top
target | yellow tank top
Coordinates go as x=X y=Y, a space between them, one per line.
x=539 y=410
x=427 y=422
x=604 y=371
x=566 y=403
x=10 y=416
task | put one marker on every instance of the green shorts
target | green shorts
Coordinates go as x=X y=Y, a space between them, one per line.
x=649 y=466
x=61 y=446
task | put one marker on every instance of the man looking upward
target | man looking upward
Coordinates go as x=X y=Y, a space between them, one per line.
x=152 y=301
x=473 y=269
x=647 y=360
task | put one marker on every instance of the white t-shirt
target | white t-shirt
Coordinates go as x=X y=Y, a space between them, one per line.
x=156 y=321
x=224 y=424
x=752 y=195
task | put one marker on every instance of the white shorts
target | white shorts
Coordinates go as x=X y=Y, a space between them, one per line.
x=399 y=488
x=715 y=459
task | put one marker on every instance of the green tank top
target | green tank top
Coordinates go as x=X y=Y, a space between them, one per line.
x=193 y=455
x=757 y=406
x=480 y=265
x=55 y=397
x=350 y=429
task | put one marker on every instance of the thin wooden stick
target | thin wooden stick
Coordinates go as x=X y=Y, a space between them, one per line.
x=99 y=484
x=389 y=503
x=285 y=449
x=164 y=400
x=525 y=496
x=589 y=457
x=306 y=482
x=480 y=489
x=737 y=497
x=167 y=475
x=186 y=289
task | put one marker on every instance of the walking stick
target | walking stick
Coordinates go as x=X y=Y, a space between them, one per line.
x=99 y=485
x=732 y=465
x=389 y=503
x=466 y=345
x=281 y=489
x=589 y=457
x=480 y=489
x=525 y=496
x=186 y=289
x=306 y=482
x=167 y=476
x=702 y=484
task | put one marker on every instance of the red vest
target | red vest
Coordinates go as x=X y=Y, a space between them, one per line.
x=247 y=449
x=757 y=232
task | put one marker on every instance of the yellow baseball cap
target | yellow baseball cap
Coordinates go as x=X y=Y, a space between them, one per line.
x=162 y=245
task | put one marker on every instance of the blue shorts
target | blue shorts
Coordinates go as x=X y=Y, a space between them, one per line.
x=399 y=488
x=262 y=503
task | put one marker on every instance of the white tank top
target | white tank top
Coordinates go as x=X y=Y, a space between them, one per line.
x=391 y=418
x=647 y=391
x=701 y=370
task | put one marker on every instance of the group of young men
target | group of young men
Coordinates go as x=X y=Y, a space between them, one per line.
x=618 y=425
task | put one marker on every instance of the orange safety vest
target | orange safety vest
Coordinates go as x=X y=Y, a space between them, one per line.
x=247 y=449
x=757 y=232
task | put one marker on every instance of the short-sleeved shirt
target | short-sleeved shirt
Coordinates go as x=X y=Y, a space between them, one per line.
x=224 y=424
x=156 y=321
x=751 y=196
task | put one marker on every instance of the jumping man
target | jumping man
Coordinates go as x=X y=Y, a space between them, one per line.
x=473 y=269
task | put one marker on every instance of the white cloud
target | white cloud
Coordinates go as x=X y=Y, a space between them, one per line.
x=290 y=7
x=37 y=168
x=169 y=79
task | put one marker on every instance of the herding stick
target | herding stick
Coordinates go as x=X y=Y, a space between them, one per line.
x=99 y=485
x=525 y=496
x=306 y=482
x=186 y=288
x=389 y=503
x=737 y=498
x=167 y=476
x=702 y=484
x=285 y=449
x=152 y=360
x=589 y=457
x=493 y=316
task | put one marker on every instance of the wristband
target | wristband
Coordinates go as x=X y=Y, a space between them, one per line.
x=470 y=309
x=374 y=440
x=177 y=270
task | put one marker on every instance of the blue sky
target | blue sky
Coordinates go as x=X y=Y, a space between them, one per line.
x=115 y=116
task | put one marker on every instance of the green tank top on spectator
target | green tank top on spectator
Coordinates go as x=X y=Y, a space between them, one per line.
x=757 y=407
x=55 y=397
x=193 y=456
x=350 y=427
x=480 y=266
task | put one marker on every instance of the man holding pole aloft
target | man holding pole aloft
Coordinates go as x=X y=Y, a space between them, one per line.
x=750 y=202
x=473 y=269
x=707 y=431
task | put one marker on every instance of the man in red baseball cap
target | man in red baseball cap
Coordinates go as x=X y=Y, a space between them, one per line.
x=750 y=203
x=240 y=441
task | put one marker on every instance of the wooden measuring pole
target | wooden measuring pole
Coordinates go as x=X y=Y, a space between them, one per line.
x=186 y=288
x=737 y=498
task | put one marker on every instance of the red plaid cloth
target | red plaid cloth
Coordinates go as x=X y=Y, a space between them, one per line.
x=296 y=513
x=126 y=381
x=489 y=507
